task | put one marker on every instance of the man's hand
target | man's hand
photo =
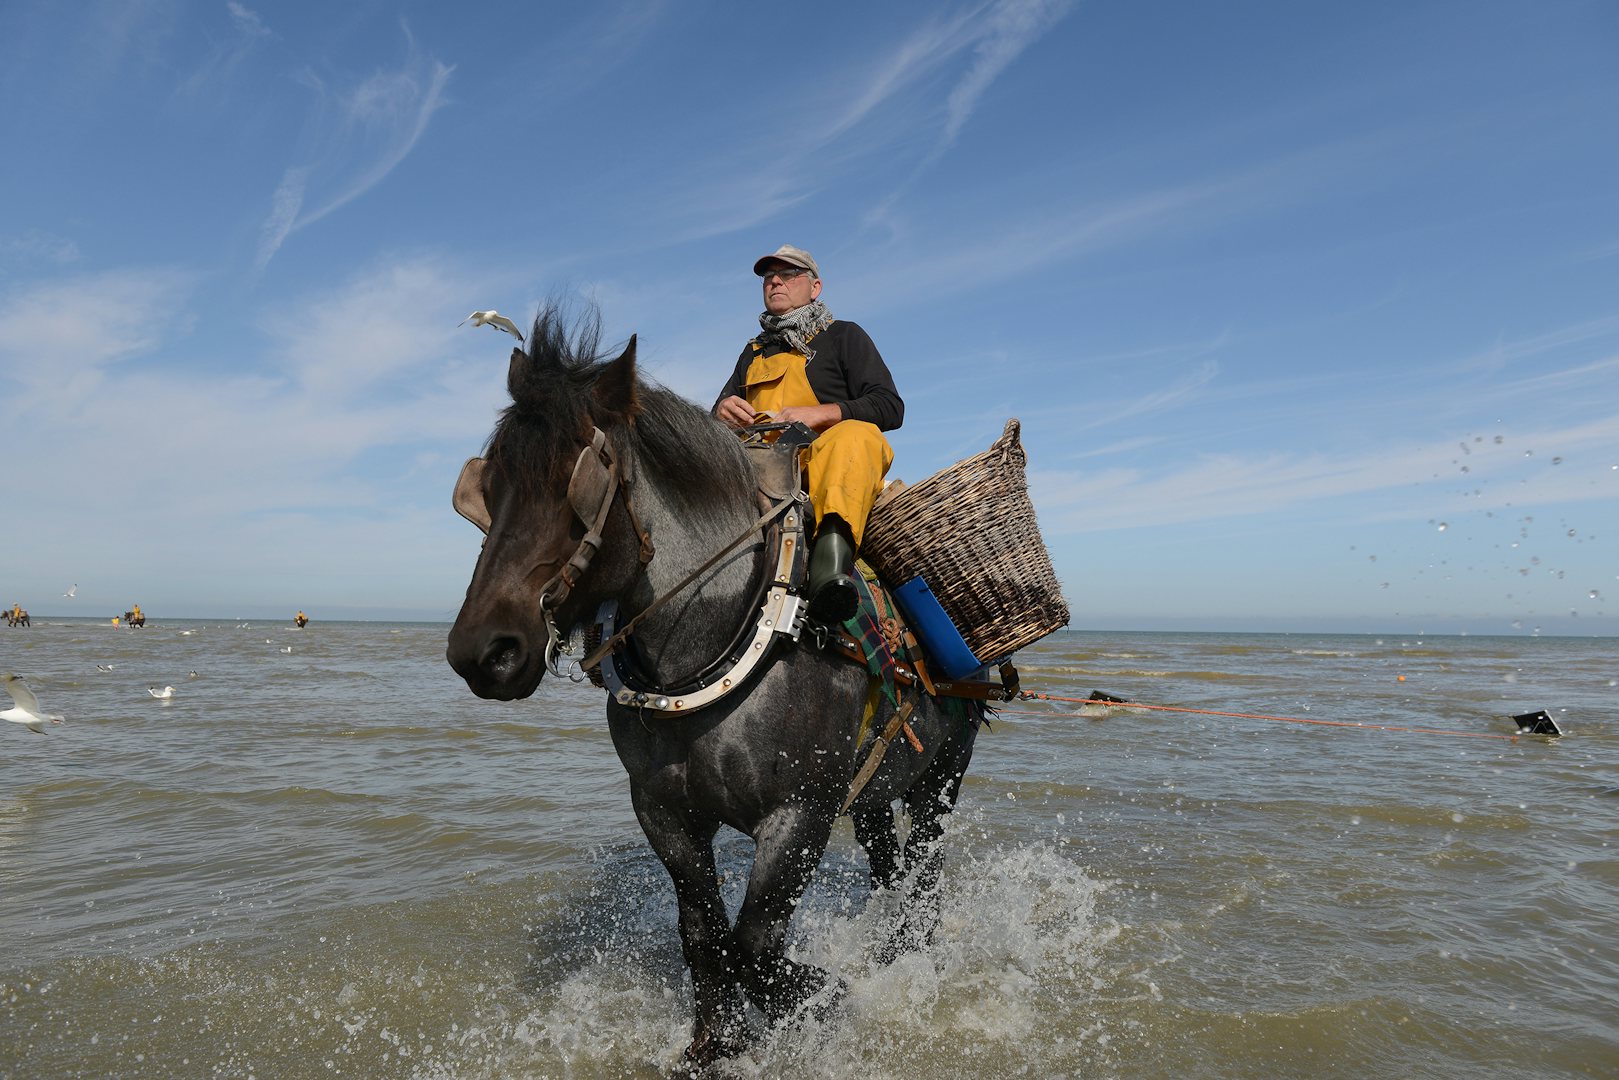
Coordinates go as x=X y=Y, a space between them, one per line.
x=734 y=412
x=815 y=417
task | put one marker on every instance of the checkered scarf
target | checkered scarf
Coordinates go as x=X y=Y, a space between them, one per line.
x=792 y=331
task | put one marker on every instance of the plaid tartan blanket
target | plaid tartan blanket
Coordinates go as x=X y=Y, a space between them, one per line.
x=867 y=630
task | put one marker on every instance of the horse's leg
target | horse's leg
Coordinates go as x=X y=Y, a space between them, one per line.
x=928 y=801
x=685 y=846
x=874 y=831
x=789 y=845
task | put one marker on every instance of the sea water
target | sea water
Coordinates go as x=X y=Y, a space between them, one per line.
x=322 y=856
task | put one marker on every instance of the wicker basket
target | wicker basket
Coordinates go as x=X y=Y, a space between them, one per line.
x=969 y=530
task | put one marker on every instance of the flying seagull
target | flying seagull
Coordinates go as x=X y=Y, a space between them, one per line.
x=27 y=711
x=495 y=319
x=71 y=589
x=166 y=692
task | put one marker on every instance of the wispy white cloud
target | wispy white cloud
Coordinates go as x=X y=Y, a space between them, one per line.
x=1417 y=478
x=1009 y=28
x=321 y=415
x=228 y=51
x=34 y=247
x=1182 y=390
x=55 y=334
x=1535 y=346
x=890 y=102
x=366 y=131
x=929 y=46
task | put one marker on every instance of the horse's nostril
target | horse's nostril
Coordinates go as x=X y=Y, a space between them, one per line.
x=502 y=655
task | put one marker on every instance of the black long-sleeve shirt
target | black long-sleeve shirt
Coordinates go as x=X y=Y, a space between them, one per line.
x=847 y=371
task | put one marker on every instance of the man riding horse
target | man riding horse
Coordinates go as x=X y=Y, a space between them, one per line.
x=826 y=374
x=602 y=494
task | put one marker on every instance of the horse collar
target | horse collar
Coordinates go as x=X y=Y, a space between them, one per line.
x=781 y=617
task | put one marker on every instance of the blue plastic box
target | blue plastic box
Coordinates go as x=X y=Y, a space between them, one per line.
x=947 y=652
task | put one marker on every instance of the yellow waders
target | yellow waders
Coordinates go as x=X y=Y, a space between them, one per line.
x=847 y=462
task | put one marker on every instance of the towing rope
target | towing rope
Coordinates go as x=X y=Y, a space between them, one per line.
x=1029 y=695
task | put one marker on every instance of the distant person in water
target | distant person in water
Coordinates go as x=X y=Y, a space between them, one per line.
x=826 y=374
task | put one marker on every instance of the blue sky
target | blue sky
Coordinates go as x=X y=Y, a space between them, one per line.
x=1310 y=312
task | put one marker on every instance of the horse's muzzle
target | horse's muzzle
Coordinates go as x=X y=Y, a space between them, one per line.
x=496 y=663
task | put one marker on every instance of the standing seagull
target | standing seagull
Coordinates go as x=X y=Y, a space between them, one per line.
x=27 y=710
x=495 y=319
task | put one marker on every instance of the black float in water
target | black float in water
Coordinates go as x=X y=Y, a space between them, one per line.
x=1536 y=723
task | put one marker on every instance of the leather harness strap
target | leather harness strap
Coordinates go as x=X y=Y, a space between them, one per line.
x=879 y=747
x=971 y=689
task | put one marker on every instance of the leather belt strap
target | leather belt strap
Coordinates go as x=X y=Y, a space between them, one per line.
x=878 y=749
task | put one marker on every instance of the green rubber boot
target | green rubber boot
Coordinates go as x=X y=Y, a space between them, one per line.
x=833 y=599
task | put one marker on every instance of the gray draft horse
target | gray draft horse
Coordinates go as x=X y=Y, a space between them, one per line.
x=774 y=761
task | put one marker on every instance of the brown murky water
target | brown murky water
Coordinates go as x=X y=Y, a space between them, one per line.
x=334 y=861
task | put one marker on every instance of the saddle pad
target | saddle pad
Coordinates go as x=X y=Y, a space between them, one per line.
x=867 y=629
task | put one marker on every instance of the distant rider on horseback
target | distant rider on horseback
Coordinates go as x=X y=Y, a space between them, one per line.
x=826 y=374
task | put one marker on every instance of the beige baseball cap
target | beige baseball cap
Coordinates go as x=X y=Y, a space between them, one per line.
x=792 y=256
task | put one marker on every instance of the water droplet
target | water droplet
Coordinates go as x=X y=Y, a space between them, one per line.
x=1386 y=585
x=1595 y=595
x=1499 y=440
x=1372 y=558
x=1528 y=453
x=1467 y=468
x=1571 y=532
x=1443 y=526
x=1557 y=461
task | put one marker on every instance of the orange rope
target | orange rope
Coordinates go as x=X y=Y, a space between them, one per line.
x=1029 y=695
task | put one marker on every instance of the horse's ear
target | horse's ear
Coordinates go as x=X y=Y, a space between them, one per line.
x=614 y=392
x=514 y=372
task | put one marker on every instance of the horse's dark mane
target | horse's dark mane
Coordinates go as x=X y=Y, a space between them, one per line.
x=539 y=435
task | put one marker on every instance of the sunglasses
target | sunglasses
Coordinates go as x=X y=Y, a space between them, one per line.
x=786 y=273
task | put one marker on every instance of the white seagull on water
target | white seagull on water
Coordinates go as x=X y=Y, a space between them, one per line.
x=27 y=711
x=166 y=692
x=495 y=319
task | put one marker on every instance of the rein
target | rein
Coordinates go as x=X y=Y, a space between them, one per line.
x=624 y=632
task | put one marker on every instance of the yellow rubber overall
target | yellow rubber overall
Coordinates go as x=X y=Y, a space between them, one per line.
x=847 y=462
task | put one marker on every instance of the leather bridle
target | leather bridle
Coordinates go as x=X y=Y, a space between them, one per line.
x=596 y=481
